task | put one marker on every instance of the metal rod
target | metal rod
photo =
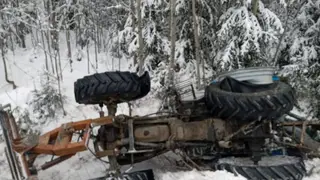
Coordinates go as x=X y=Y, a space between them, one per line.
x=149 y=144
x=4 y=124
x=304 y=126
x=193 y=92
x=156 y=121
x=13 y=173
x=300 y=123
x=296 y=116
x=55 y=161
x=154 y=118
x=131 y=136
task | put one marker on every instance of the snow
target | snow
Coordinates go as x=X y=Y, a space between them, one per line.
x=265 y=161
x=25 y=68
x=284 y=3
x=204 y=175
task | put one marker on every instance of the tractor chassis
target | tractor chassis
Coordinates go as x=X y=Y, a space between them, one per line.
x=123 y=139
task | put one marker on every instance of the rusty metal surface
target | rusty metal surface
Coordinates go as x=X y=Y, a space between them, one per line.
x=245 y=129
x=156 y=120
x=156 y=133
x=221 y=129
x=177 y=130
x=105 y=153
x=13 y=127
x=8 y=137
x=102 y=121
x=189 y=131
x=151 y=132
x=25 y=144
x=304 y=126
x=112 y=110
x=57 y=142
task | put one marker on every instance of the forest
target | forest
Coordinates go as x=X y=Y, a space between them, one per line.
x=47 y=45
x=193 y=38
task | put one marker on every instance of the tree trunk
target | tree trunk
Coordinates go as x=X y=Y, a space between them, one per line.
x=20 y=26
x=173 y=41
x=9 y=31
x=196 y=40
x=44 y=50
x=54 y=26
x=33 y=39
x=98 y=34
x=88 y=58
x=3 y=45
x=48 y=35
x=59 y=76
x=37 y=37
x=77 y=31
x=59 y=58
x=12 y=42
x=69 y=48
x=60 y=67
x=22 y=38
x=49 y=50
x=55 y=38
x=255 y=7
x=96 y=46
x=132 y=10
x=20 y=31
x=5 y=67
x=141 y=61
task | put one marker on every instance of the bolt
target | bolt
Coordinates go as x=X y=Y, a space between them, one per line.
x=146 y=133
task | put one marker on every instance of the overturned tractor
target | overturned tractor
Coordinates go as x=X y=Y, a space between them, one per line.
x=238 y=125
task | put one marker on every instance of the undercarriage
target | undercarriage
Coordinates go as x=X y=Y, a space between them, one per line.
x=205 y=138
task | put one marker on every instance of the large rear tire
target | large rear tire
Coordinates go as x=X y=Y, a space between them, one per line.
x=111 y=86
x=270 y=103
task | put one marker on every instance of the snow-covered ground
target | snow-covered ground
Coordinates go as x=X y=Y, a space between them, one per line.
x=26 y=67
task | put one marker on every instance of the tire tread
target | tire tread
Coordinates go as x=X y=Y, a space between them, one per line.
x=121 y=86
x=268 y=104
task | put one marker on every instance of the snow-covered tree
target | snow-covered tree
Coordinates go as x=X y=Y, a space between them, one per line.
x=247 y=39
x=47 y=101
x=302 y=65
x=155 y=31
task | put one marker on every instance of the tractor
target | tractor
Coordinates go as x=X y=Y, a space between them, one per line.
x=241 y=122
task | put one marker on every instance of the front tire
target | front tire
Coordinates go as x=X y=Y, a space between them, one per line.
x=111 y=86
